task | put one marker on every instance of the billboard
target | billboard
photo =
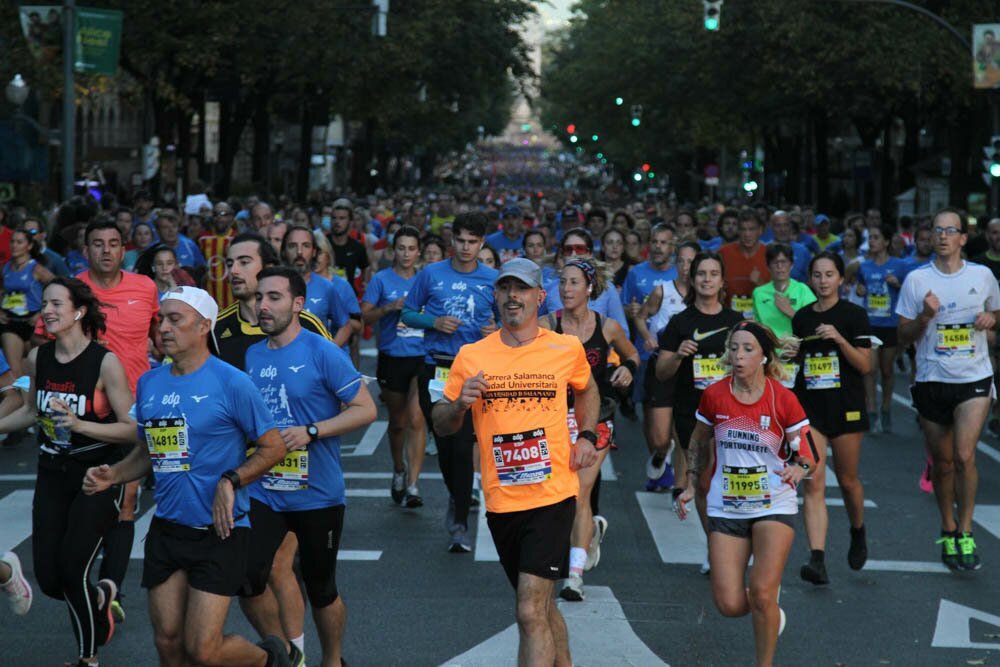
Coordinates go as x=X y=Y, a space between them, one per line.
x=986 y=55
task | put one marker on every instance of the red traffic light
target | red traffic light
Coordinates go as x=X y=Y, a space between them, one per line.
x=646 y=167
x=571 y=128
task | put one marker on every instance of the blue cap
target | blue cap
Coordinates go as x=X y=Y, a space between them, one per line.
x=511 y=211
x=822 y=217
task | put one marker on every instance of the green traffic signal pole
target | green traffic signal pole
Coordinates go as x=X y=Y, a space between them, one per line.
x=69 y=101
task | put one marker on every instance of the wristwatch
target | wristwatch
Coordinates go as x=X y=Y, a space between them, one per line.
x=313 y=432
x=803 y=464
x=589 y=435
x=233 y=478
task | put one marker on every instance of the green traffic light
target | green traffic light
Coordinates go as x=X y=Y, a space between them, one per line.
x=636 y=122
x=712 y=24
x=600 y=155
x=995 y=170
x=651 y=175
x=593 y=137
x=619 y=101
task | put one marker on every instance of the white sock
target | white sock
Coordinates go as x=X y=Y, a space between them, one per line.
x=577 y=559
x=299 y=642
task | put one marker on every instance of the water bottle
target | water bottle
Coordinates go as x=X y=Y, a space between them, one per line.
x=61 y=435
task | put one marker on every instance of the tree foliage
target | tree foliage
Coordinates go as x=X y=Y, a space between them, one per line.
x=310 y=59
x=773 y=65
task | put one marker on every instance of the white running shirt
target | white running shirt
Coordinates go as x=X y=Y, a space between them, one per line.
x=671 y=304
x=950 y=349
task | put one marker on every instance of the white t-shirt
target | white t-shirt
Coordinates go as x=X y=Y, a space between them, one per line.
x=950 y=349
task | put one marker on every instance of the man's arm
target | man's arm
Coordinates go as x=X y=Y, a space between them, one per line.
x=269 y=450
x=448 y=415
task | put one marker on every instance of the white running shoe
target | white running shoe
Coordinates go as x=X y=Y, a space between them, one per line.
x=594 y=550
x=656 y=465
x=572 y=591
x=784 y=619
x=17 y=588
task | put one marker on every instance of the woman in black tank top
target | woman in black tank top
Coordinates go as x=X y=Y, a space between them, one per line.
x=580 y=281
x=80 y=399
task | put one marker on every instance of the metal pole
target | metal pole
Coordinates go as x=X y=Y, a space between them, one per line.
x=69 y=99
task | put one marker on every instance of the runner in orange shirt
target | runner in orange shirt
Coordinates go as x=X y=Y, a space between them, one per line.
x=515 y=382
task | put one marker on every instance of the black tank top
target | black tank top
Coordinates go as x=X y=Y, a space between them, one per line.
x=76 y=384
x=596 y=349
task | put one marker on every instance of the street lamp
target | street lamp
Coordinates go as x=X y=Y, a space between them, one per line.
x=17 y=91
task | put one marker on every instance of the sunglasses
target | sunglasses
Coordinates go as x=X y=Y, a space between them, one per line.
x=571 y=249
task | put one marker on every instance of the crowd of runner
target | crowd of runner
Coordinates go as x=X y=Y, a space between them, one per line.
x=212 y=350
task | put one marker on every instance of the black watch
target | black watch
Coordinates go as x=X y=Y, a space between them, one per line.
x=589 y=435
x=233 y=478
x=313 y=432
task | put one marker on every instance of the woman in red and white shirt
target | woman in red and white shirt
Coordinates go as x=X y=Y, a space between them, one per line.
x=751 y=499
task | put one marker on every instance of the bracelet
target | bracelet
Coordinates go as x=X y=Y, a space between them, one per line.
x=630 y=365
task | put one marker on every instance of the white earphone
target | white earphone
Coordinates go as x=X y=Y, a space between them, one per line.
x=78 y=316
x=763 y=362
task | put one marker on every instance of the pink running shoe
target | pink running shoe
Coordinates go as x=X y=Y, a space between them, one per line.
x=926 y=485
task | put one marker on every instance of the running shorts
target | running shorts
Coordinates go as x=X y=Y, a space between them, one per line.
x=744 y=527
x=534 y=541
x=212 y=565
x=318 y=532
x=835 y=413
x=936 y=401
x=888 y=335
x=659 y=393
x=395 y=373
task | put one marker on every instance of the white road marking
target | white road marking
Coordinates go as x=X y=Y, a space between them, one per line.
x=17 y=478
x=370 y=440
x=953 y=627
x=599 y=634
x=15 y=518
x=485 y=549
x=839 y=502
x=387 y=475
x=608 y=470
x=906 y=566
x=677 y=541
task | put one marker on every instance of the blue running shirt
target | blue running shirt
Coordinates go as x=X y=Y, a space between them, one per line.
x=303 y=383
x=394 y=337
x=197 y=426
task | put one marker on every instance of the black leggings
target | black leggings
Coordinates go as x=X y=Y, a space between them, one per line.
x=454 y=452
x=67 y=530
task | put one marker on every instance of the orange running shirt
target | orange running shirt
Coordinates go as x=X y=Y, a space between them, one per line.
x=130 y=309
x=739 y=287
x=520 y=423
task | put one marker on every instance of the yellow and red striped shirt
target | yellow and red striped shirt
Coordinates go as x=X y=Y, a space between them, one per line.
x=214 y=248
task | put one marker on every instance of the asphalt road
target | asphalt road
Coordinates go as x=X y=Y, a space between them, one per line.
x=410 y=602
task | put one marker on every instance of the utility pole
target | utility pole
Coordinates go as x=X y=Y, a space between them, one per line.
x=69 y=99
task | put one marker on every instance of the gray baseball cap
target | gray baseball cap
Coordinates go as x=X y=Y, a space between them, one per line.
x=523 y=269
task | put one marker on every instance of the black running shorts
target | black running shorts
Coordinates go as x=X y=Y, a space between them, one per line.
x=212 y=565
x=744 y=527
x=396 y=373
x=318 y=532
x=534 y=541
x=835 y=413
x=936 y=401
x=658 y=393
x=888 y=335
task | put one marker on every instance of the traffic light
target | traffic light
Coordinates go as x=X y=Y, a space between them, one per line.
x=571 y=129
x=619 y=101
x=992 y=162
x=713 y=14
x=636 y=115
x=594 y=137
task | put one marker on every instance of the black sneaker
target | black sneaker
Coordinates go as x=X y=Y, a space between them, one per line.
x=857 y=555
x=398 y=487
x=412 y=498
x=968 y=557
x=277 y=656
x=949 y=549
x=815 y=573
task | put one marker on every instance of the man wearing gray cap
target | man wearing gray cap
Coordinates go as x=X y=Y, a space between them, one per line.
x=515 y=383
x=194 y=417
